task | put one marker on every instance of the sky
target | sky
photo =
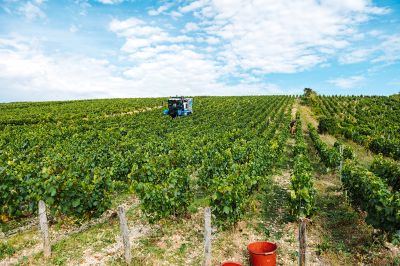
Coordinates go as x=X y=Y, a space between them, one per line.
x=81 y=49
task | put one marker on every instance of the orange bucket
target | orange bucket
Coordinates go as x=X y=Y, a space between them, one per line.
x=230 y=263
x=262 y=253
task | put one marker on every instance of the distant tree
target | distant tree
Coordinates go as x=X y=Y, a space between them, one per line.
x=308 y=92
x=309 y=96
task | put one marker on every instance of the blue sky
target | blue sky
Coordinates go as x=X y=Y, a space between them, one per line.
x=77 y=49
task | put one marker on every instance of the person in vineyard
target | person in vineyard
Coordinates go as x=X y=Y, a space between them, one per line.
x=292 y=126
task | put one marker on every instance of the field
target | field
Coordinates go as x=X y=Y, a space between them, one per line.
x=236 y=155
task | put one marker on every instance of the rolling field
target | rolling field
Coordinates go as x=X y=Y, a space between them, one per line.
x=339 y=170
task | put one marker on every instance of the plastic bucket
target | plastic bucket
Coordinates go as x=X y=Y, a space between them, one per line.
x=262 y=253
x=230 y=263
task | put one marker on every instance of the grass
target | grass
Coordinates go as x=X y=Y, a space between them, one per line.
x=346 y=238
x=72 y=249
x=170 y=243
x=6 y=249
x=22 y=241
x=364 y=156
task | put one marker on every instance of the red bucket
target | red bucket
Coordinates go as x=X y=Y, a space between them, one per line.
x=230 y=263
x=262 y=253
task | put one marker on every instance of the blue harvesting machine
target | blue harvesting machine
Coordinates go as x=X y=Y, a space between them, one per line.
x=179 y=106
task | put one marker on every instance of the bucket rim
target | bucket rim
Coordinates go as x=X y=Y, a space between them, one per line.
x=262 y=253
x=229 y=261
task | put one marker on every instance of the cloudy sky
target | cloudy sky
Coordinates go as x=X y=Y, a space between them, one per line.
x=53 y=50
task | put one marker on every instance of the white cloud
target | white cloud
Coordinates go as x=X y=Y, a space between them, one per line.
x=194 y=6
x=122 y=25
x=110 y=2
x=170 y=63
x=159 y=10
x=133 y=44
x=177 y=70
x=32 y=11
x=281 y=36
x=347 y=82
x=360 y=6
x=175 y=14
x=389 y=49
x=190 y=26
x=232 y=47
x=386 y=50
x=28 y=73
x=250 y=40
x=140 y=35
x=212 y=40
x=375 y=33
x=356 y=56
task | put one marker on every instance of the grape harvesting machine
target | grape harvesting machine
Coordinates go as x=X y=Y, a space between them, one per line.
x=179 y=106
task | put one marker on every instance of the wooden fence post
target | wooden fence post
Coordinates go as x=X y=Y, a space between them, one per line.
x=341 y=161
x=124 y=234
x=340 y=171
x=302 y=242
x=44 y=228
x=207 y=237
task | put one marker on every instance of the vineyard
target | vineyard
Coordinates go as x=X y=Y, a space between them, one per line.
x=371 y=121
x=234 y=154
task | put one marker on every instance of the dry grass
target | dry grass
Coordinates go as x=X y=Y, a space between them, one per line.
x=364 y=157
x=307 y=117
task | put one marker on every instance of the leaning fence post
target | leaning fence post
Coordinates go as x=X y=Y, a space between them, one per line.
x=124 y=234
x=302 y=242
x=207 y=237
x=44 y=228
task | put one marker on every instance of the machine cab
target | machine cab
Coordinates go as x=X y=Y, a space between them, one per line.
x=179 y=106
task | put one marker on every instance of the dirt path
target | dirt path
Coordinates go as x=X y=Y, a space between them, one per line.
x=146 y=109
x=295 y=108
x=279 y=226
x=307 y=117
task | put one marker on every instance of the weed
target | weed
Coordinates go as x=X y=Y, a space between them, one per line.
x=6 y=250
